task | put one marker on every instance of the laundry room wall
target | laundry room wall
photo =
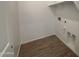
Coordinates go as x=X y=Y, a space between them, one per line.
x=3 y=26
x=36 y=20
x=9 y=28
x=13 y=27
x=68 y=32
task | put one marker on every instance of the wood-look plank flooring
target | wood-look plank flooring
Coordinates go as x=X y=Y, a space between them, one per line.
x=46 y=47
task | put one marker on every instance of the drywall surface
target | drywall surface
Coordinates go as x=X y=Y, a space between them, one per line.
x=9 y=29
x=36 y=20
x=3 y=26
x=67 y=11
x=13 y=27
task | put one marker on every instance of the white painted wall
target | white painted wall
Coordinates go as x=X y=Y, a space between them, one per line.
x=68 y=11
x=36 y=20
x=9 y=29
x=3 y=26
x=13 y=26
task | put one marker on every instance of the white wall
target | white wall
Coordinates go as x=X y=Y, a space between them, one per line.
x=67 y=11
x=3 y=26
x=36 y=20
x=13 y=27
x=9 y=29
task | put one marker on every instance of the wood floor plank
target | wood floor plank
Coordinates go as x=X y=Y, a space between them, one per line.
x=46 y=47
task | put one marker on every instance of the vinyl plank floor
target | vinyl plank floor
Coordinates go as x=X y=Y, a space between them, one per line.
x=46 y=47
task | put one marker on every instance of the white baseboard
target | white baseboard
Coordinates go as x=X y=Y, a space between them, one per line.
x=9 y=54
x=68 y=46
x=4 y=50
x=37 y=38
x=18 y=50
x=4 y=53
